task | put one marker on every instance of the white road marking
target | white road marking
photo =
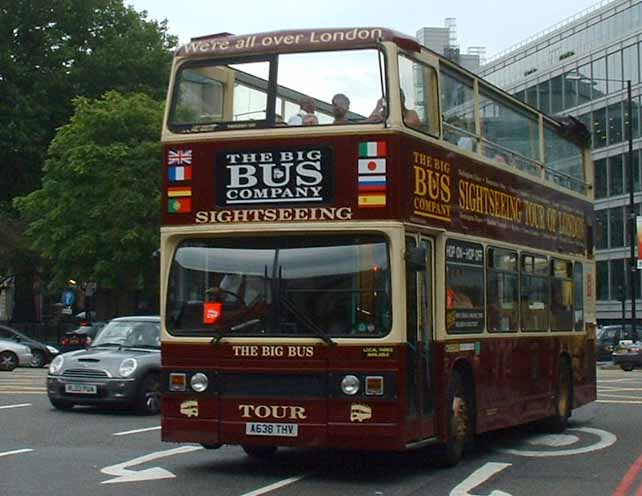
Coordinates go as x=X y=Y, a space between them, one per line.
x=478 y=477
x=623 y=396
x=136 y=431
x=554 y=440
x=611 y=388
x=122 y=474
x=606 y=440
x=621 y=401
x=20 y=405
x=15 y=452
x=276 y=485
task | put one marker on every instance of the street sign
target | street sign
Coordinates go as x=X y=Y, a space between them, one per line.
x=66 y=311
x=68 y=298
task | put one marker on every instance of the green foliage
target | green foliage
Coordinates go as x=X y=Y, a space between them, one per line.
x=96 y=216
x=54 y=50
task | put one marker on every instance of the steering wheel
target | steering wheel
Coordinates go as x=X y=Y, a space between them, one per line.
x=218 y=290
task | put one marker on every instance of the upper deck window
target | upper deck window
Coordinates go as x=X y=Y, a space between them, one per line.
x=296 y=89
x=419 y=104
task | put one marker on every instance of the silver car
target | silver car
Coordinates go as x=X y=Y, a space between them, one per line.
x=13 y=354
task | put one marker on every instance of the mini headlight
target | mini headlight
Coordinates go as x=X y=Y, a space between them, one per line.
x=199 y=382
x=127 y=367
x=52 y=350
x=350 y=385
x=56 y=365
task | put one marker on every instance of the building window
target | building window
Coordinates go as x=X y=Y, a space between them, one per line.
x=618 y=284
x=544 y=97
x=630 y=64
x=616 y=176
x=534 y=293
x=602 y=280
x=531 y=96
x=570 y=90
x=599 y=128
x=557 y=100
x=601 y=178
x=614 y=72
x=502 y=296
x=584 y=84
x=601 y=229
x=598 y=79
x=615 y=123
x=616 y=227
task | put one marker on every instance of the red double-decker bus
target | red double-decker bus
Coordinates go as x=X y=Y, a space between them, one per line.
x=366 y=246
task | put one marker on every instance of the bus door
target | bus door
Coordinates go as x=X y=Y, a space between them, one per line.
x=419 y=323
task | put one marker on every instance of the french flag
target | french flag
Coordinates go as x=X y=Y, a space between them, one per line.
x=179 y=173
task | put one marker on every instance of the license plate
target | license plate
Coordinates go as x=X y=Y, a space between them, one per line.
x=80 y=388
x=266 y=429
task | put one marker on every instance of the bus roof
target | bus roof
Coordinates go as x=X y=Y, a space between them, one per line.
x=294 y=41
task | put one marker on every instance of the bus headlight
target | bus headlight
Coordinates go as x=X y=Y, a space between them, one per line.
x=199 y=382
x=350 y=385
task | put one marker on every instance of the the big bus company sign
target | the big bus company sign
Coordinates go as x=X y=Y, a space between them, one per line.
x=272 y=177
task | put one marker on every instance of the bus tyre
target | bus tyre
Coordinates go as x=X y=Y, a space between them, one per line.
x=563 y=398
x=459 y=421
x=260 y=452
x=627 y=367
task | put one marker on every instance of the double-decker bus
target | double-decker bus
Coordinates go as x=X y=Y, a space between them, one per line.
x=365 y=246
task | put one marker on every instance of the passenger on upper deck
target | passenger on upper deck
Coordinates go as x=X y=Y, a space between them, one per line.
x=305 y=116
x=340 y=107
x=410 y=117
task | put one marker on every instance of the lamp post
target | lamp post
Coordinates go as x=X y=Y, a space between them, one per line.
x=631 y=217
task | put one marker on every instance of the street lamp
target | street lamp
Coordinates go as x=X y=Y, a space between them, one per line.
x=631 y=216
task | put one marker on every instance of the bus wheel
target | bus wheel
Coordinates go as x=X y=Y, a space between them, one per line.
x=627 y=368
x=260 y=452
x=459 y=421
x=563 y=398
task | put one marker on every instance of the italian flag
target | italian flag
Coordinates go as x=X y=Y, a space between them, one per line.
x=372 y=149
x=181 y=206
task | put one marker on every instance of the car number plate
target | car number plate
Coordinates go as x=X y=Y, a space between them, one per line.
x=267 y=429
x=80 y=388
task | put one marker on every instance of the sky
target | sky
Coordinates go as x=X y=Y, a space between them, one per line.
x=494 y=24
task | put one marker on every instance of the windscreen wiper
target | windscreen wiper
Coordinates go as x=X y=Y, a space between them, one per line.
x=238 y=327
x=307 y=321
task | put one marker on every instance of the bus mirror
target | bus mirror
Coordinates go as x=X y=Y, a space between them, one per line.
x=416 y=259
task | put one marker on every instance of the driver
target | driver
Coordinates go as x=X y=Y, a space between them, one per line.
x=238 y=287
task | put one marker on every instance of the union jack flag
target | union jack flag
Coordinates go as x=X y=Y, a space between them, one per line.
x=179 y=157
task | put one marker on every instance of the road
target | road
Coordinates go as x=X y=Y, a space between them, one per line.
x=87 y=451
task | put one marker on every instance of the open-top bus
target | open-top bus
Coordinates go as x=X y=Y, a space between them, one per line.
x=411 y=265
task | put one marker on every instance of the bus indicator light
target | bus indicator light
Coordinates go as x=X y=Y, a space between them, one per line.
x=177 y=382
x=211 y=312
x=374 y=385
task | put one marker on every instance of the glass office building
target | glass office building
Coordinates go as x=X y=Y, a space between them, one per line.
x=579 y=67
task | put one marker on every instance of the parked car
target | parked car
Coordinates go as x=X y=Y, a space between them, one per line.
x=121 y=367
x=41 y=353
x=80 y=337
x=607 y=338
x=628 y=355
x=13 y=354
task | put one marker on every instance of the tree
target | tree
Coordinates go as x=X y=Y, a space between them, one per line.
x=54 y=50
x=97 y=215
